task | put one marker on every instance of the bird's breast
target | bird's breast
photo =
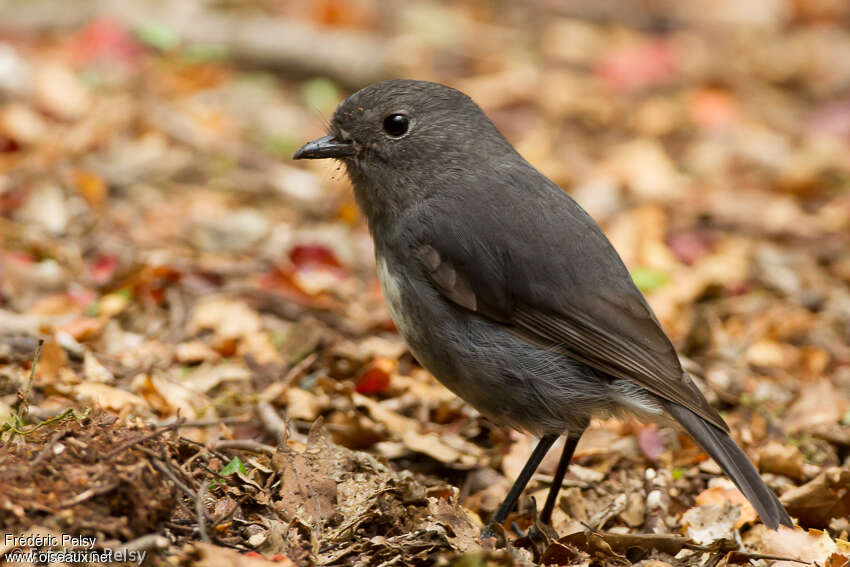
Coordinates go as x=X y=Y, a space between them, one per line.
x=391 y=286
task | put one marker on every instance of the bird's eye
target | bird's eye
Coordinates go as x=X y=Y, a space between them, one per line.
x=396 y=125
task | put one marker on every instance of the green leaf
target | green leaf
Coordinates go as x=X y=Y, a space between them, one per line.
x=233 y=466
x=126 y=292
x=470 y=560
x=648 y=279
x=158 y=35
x=283 y=145
x=93 y=310
x=678 y=473
x=206 y=53
x=321 y=94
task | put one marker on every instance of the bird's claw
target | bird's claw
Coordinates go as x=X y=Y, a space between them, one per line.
x=496 y=531
x=518 y=530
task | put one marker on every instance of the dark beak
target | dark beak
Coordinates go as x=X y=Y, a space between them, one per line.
x=325 y=147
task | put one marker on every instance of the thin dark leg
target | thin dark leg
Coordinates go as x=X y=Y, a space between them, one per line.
x=527 y=472
x=557 y=481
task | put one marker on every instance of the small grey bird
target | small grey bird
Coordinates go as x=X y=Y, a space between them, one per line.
x=505 y=289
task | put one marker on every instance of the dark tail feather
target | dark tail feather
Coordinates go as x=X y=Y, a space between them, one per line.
x=734 y=463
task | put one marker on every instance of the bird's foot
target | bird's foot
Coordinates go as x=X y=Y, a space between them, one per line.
x=541 y=533
x=518 y=530
x=493 y=534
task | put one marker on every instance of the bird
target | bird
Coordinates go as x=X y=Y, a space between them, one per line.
x=506 y=290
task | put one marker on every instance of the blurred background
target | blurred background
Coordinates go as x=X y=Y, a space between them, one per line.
x=155 y=232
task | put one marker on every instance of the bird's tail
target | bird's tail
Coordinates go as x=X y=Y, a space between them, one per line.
x=734 y=463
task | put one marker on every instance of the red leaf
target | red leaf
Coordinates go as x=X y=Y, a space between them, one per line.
x=832 y=119
x=82 y=297
x=8 y=145
x=690 y=246
x=636 y=67
x=315 y=255
x=651 y=442
x=102 y=269
x=712 y=108
x=375 y=377
x=18 y=256
x=105 y=38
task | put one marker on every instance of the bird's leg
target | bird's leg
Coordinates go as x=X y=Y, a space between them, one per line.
x=558 y=480
x=522 y=480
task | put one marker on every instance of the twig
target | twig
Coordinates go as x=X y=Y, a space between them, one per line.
x=17 y=426
x=200 y=445
x=210 y=422
x=771 y=557
x=45 y=452
x=352 y=58
x=245 y=445
x=175 y=468
x=23 y=397
x=156 y=433
x=164 y=468
x=227 y=514
x=280 y=386
x=161 y=467
x=682 y=543
x=178 y=527
x=272 y=421
x=200 y=512
x=212 y=472
x=88 y=494
x=144 y=543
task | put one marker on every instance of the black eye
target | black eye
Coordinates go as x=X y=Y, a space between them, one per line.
x=396 y=125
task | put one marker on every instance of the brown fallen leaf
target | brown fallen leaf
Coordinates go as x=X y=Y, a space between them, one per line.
x=53 y=359
x=308 y=492
x=21 y=123
x=723 y=492
x=812 y=546
x=781 y=459
x=616 y=544
x=432 y=445
x=705 y=525
x=820 y=500
x=819 y=403
x=109 y=397
x=259 y=347
x=463 y=532
x=227 y=318
x=836 y=433
x=193 y=352
x=58 y=91
x=94 y=371
x=208 y=555
x=302 y=404
x=395 y=422
x=559 y=553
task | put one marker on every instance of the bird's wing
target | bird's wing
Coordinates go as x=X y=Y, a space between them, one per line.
x=540 y=265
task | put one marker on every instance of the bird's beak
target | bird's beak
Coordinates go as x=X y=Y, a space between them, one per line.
x=326 y=147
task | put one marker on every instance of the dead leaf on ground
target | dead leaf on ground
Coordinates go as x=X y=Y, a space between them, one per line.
x=723 y=492
x=707 y=524
x=209 y=555
x=812 y=546
x=820 y=500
